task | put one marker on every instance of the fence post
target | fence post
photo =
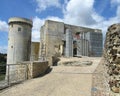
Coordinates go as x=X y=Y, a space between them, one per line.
x=8 y=78
x=26 y=73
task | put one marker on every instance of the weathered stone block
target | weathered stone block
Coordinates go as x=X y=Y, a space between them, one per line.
x=36 y=68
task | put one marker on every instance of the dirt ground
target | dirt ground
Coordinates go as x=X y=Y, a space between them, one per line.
x=61 y=81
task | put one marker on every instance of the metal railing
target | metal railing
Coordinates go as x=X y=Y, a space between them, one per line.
x=15 y=73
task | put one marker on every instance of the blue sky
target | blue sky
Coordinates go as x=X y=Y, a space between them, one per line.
x=90 y=13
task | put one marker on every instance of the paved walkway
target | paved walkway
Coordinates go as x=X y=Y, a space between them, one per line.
x=61 y=81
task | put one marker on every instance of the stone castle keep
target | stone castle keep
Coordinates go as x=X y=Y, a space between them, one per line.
x=59 y=39
x=56 y=39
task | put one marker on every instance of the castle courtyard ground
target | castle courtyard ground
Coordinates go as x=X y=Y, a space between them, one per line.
x=61 y=81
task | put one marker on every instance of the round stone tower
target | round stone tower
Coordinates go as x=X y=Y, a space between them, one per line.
x=19 y=40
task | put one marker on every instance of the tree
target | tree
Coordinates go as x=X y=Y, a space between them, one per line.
x=3 y=58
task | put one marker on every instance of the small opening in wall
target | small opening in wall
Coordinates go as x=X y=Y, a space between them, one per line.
x=19 y=29
x=11 y=46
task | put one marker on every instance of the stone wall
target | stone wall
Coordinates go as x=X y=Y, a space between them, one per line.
x=25 y=70
x=35 y=69
x=106 y=78
x=34 y=51
x=112 y=55
x=16 y=73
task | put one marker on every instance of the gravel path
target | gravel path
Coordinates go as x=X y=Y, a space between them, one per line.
x=61 y=81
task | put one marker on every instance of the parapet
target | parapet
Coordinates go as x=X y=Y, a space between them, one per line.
x=20 y=20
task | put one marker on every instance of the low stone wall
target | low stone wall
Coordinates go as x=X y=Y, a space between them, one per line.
x=74 y=61
x=25 y=70
x=36 y=68
x=16 y=73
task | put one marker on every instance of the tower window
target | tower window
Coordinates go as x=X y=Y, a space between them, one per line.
x=19 y=29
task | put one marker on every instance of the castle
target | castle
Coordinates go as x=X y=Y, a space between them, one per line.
x=56 y=39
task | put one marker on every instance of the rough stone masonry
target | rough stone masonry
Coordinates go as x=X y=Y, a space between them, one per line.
x=106 y=78
x=112 y=55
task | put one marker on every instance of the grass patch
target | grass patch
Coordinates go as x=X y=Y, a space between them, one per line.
x=2 y=77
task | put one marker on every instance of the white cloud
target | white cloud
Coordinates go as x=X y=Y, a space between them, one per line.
x=37 y=23
x=97 y=17
x=3 y=49
x=36 y=35
x=3 y=26
x=43 y=4
x=118 y=11
x=115 y=2
x=79 y=12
